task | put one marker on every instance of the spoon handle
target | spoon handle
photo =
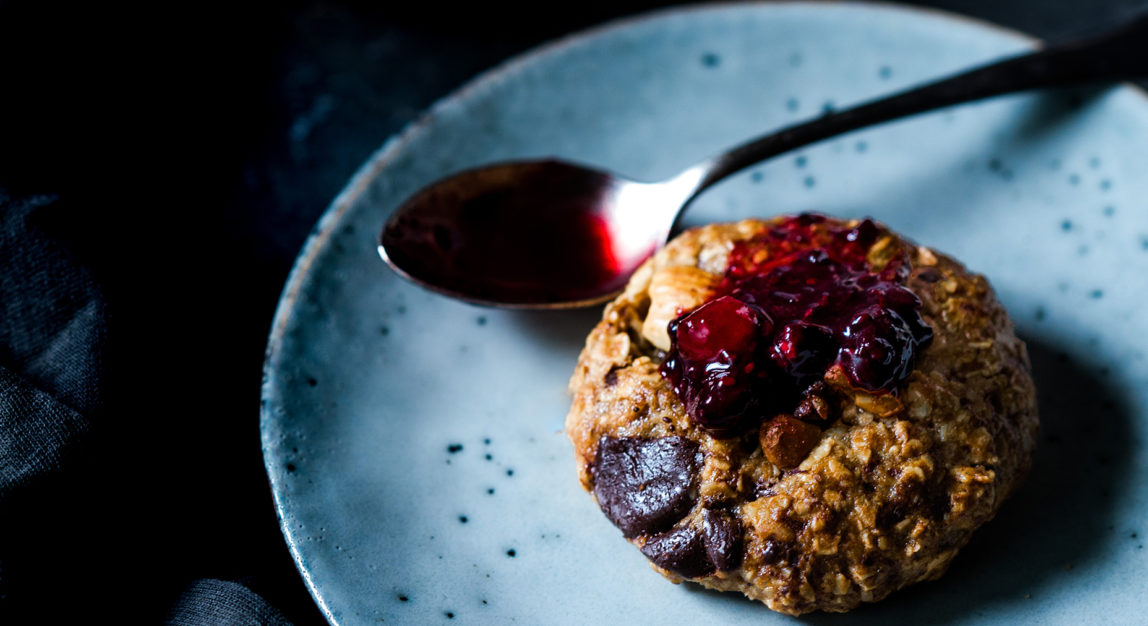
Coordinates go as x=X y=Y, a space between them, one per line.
x=1121 y=53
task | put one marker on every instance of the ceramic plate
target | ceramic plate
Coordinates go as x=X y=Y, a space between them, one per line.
x=415 y=445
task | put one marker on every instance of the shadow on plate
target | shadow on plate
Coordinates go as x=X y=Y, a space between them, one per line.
x=563 y=331
x=1059 y=520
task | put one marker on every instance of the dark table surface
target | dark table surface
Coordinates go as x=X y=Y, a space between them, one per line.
x=192 y=148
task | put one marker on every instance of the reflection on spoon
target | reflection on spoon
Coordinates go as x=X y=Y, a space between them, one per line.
x=554 y=234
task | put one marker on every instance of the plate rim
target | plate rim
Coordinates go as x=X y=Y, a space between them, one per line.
x=393 y=146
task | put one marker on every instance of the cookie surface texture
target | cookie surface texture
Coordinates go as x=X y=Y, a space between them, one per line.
x=820 y=467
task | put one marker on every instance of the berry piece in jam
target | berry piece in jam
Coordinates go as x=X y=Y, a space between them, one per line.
x=713 y=360
x=802 y=350
x=724 y=324
x=876 y=348
x=797 y=299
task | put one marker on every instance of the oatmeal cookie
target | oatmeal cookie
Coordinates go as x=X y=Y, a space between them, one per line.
x=811 y=411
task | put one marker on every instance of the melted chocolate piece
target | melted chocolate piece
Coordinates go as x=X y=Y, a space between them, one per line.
x=722 y=533
x=778 y=551
x=683 y=551
x=928 y=274
x=611 y=378
x=644 y=485
x=693 y=554
x=905 y=498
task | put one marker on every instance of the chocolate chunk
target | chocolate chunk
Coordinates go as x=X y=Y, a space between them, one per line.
x=722 y=534
x=939 y=504
x=929 y=274
x=764 y=490
x=611 y=378
x=778 y=551
x=904 y=498
x=644 y=485
x=682 y=551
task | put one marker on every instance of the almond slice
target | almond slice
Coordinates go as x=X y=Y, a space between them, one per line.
x=674 y=290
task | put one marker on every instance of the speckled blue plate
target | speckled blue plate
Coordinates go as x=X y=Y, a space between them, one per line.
x=414 y=443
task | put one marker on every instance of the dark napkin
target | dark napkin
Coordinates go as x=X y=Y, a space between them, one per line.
x=57 y=558
x=51 y=346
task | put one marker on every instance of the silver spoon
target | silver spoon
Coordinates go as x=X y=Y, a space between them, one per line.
x=554 y=234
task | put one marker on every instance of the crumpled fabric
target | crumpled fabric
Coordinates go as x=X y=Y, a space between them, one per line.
x=54 y=472
x=210 y=601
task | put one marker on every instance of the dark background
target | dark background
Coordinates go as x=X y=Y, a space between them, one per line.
x=191 y=148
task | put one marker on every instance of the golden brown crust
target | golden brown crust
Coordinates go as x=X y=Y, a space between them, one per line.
x=895 y=486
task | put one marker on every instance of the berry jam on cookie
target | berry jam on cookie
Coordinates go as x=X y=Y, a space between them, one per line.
x=797 y=299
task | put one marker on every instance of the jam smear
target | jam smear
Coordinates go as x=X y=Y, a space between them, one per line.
x=797 y=299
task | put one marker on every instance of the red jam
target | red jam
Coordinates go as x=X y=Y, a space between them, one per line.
x=797 y=299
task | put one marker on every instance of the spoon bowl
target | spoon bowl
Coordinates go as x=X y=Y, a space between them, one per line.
x=531 y=234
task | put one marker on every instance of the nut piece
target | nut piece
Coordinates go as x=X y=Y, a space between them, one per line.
x=674 y=290
x=787 y=440
x=881 y=405
x=813 y=406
